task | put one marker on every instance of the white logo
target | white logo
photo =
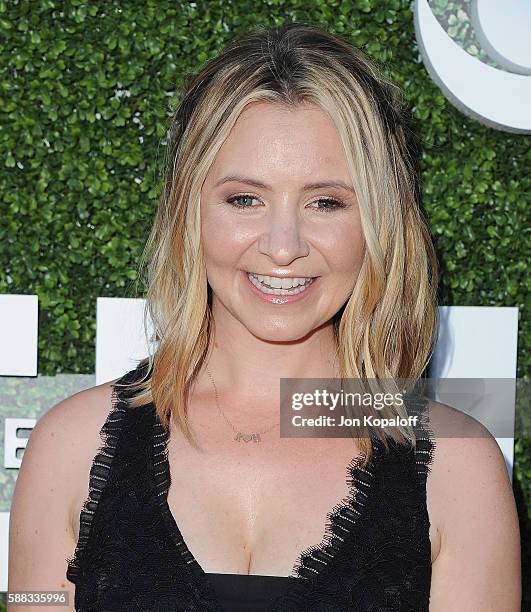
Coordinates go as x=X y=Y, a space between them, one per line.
x=497 y=98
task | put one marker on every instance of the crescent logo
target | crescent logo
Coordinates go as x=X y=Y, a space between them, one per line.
x=496 y=98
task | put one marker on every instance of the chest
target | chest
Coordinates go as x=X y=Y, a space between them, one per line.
x=306 y=508
x=249 y=508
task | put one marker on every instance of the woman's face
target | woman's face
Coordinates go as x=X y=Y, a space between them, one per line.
x=280 y=225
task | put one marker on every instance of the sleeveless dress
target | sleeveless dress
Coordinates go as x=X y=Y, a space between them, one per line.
x=375 y=555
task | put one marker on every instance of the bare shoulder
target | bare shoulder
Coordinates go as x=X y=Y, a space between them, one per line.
x=71 y=427
x=472 y=505
x=54 y=471
x=81 y=408
x=466 y=454
x=67 y=435
x=80 y=418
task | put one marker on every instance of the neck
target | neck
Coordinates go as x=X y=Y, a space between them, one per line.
x=248 y=367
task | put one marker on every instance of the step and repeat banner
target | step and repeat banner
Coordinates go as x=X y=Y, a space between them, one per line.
x=474 y=342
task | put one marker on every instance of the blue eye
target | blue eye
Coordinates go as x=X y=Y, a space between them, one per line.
x=233 y=200
x=331 y=203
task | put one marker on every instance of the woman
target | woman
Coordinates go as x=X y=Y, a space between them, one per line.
x=287 y=244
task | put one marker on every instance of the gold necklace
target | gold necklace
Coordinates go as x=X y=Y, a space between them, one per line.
x=238 y=435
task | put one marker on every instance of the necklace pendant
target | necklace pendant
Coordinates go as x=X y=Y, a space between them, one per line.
x=241 y=437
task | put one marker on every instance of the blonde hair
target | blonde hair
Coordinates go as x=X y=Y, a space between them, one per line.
x=386 y=328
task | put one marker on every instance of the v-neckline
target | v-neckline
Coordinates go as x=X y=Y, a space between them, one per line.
x=341 y=519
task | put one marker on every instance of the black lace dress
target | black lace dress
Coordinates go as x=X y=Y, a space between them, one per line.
x=131 y=556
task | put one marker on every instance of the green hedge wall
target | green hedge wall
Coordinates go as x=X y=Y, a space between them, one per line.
x=85 y=92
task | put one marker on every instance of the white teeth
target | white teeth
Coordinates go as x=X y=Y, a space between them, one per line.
x=279 y=286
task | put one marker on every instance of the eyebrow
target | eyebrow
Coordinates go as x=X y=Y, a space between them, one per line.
x=260 y=185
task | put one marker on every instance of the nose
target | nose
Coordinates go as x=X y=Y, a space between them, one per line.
x=281 y=239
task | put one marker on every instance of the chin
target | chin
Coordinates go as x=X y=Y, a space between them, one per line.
x=279 y=331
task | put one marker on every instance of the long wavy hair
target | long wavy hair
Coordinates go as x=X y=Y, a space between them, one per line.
x=386 y=328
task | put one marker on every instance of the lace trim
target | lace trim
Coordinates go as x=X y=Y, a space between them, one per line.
x=340 y=520
x=99 y=473
x=160 y=479
x=425 y=438
x=161 y=482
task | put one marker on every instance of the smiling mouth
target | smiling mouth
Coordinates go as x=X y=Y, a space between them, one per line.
x=274 y=285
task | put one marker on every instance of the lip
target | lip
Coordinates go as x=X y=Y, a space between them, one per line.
x=279 y=299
